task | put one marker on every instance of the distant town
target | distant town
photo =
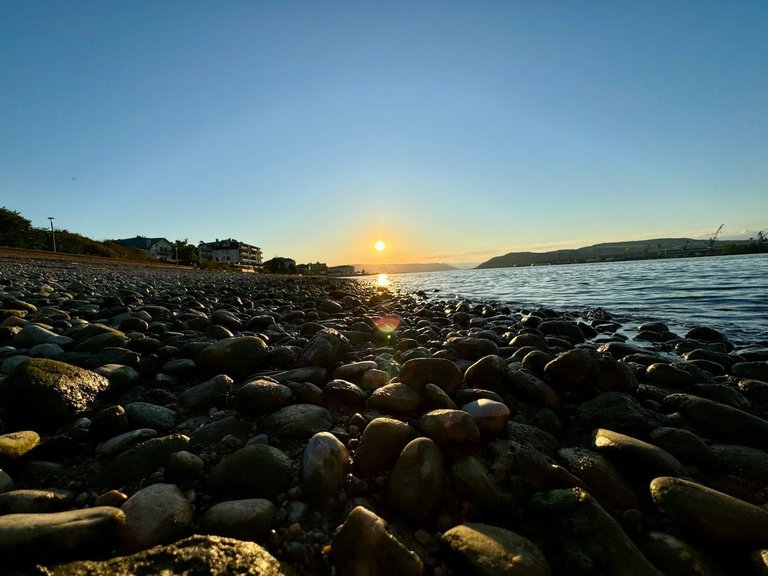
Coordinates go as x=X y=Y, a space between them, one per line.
x=231 y=253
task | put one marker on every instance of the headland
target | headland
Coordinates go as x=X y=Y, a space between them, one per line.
x=652 y=249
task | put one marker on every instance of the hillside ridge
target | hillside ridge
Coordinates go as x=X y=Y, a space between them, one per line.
x=626 y=250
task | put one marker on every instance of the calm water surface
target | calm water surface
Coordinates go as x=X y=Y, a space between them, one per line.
x=729 y=293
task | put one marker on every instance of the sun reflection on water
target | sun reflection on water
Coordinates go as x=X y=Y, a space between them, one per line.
x=383 y=281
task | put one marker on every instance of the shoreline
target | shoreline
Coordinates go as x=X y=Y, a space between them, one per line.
x=306 y=413
x=660 y=291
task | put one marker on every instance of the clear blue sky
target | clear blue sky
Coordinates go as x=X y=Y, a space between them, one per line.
x=453 y=130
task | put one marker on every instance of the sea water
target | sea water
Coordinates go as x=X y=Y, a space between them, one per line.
x=728 y=293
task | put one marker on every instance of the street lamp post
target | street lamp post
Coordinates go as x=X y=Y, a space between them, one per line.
x=53 y=234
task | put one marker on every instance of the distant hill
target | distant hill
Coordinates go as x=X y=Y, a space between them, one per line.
x=402 y=268
x=631 y=250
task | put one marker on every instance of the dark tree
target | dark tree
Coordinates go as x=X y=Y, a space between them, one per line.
x=18 y=232
x=187 y=253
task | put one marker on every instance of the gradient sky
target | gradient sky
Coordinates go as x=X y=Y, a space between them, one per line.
x=455 y=130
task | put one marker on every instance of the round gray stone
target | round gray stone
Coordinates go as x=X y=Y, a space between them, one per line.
x=484 y=550
x=324 y=463
x=211 y=393
x=157 y=514
x=416 y=485
x=363 y=544
x=255 y=471
x=490 y=416
x=146 y=415
x=395 y=398
x=450 y=427
x=380 y=445
x=237 y=357
x=261 y=396
x=249 y=519
x=417 y=372
x=298 y=421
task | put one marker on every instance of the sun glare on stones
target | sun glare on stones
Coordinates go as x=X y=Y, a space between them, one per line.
x=380 y=245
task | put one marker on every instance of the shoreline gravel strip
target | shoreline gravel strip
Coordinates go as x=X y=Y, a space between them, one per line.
x=329 y=426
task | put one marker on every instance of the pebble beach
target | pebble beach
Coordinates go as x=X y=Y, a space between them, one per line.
x=168 y=421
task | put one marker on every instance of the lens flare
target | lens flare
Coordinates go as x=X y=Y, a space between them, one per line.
x=387 y=324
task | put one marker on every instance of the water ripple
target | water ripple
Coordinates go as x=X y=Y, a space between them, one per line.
x=729 y=293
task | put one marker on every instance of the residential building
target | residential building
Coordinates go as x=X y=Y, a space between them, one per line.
x=157 y=248
x=314 y=268
x=230 y=251
x=341 y=271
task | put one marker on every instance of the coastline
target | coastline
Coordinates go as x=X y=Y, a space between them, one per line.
x=325 y=408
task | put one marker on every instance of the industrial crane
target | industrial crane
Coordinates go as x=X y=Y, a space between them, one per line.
x=714 y=237
x=762 y=238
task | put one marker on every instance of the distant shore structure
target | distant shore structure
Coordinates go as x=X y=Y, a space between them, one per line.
x=280 y=265
x=344 y=270
x=156 y=248
x=232 y=252
x=312 y=268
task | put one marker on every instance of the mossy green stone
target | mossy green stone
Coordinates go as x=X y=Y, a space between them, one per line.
x=48 y=393
x=91 y=330
x=19 y=305
x=17 y=444
x=210 y=555
x=4 y=314
x=101 y=341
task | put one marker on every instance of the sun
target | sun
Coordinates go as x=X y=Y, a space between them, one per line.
x=380 y=245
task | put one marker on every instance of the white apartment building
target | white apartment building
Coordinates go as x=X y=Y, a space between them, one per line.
x=230 y=251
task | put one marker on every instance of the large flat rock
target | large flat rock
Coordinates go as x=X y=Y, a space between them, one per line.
x=209 y=555
x=60 y=535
